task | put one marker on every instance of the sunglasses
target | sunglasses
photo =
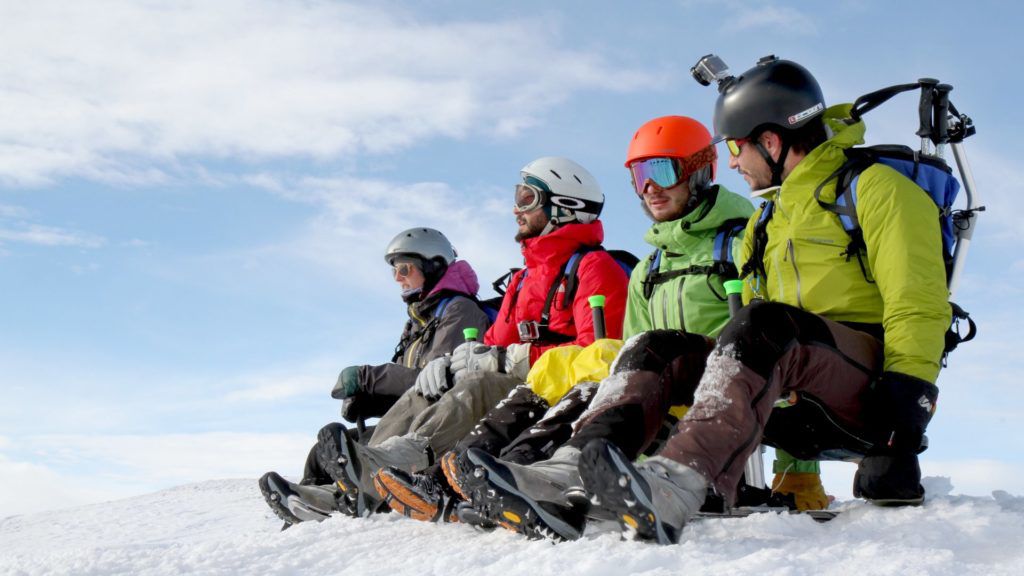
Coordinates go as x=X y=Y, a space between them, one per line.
x=735 y=146
x=402 y=269
x=528 y=198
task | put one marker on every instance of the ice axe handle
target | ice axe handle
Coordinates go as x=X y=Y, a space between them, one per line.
x=924 y=107
x=734 y=292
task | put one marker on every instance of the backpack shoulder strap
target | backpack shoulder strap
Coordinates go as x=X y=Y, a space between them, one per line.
x=652 y=279
x=845 y=205
x=442 y=306
x=755 y=264
x=722 y=248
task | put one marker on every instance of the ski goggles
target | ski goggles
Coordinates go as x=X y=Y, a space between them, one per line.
x=668 y=172
x=528 y=197
x=735 y=145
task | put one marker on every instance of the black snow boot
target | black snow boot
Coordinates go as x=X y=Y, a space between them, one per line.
x=296 y=503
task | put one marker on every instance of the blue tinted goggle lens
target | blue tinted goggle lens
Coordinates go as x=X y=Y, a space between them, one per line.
x=662 y=171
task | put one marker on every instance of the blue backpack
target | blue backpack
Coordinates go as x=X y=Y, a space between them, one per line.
x=931 y=173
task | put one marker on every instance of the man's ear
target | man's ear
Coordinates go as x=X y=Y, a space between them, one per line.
x=771 y=142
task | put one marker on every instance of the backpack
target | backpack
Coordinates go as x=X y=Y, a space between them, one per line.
x=930 y=172
x=569 y=275
x=722 y=264
x=427 y=333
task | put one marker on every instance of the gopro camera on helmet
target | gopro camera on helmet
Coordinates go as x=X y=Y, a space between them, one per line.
x=711 y=68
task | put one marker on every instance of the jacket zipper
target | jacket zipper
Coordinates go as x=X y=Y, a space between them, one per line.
x=682 y=309
x=664 y=308
x=796 y=271
x=411 y=352
x=828 y=416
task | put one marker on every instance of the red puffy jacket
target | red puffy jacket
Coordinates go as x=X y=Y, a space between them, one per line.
x=598 y=273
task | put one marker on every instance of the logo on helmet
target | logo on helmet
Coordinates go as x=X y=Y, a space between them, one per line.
x=800 y=116
x=566 y=202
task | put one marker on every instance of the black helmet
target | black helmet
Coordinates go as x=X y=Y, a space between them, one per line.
x=776 y=92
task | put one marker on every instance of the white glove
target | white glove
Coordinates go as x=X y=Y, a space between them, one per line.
x=477 y=357
x=432 y=381
x=517 y=360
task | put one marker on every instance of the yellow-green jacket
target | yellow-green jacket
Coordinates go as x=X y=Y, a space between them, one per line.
x=685 y=302
x=806 y=267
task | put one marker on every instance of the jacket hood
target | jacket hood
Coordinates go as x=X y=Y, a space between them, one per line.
x=562 y=243
x=459 y=277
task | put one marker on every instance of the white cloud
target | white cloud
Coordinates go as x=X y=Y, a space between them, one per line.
x=49 y=236
x=129 y=91
x=780 y=19
x=357 y=217
x=281 y=385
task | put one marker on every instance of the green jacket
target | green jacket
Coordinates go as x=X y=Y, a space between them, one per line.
x=685 y=302
x=806 y=267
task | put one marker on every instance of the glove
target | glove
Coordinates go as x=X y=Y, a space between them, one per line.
x=806 y=488
x=351 y=408
x=348 y=384
x=434 y=379
x=477 y=357
x=897 y=412
x=517 y=360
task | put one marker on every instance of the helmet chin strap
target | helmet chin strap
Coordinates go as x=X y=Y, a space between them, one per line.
x=776 y=167
x=699 y=184
x=555 y=220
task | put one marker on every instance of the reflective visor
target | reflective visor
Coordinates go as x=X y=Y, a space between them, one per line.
x=528 y=197
x=735 y=146
x=662 y=171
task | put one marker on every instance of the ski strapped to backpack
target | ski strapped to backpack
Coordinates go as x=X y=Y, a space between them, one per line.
x=539 y=331
x=940 y=124
x=722 y=264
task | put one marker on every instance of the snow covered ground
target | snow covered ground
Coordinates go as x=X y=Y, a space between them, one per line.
x=223 y=527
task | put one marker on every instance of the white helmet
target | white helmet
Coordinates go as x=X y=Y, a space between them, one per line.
x=426 y=243
x=572 y=193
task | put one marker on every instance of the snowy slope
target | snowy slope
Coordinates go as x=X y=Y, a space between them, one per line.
x=223 y=527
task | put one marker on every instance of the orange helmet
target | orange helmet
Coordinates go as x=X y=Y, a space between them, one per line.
x=679 y=137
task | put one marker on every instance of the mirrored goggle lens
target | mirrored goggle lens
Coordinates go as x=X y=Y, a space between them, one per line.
x=528 y=197
x=402 y=269
x=735 y=146
x=662 y=171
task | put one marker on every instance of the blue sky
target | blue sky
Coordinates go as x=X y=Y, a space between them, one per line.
x=195 y=197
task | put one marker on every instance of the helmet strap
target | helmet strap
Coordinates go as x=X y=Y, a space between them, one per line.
x=699 y=183
x=775 y=166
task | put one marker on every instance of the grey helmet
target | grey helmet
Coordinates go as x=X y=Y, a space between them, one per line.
x=426 y=243
x=775 y=92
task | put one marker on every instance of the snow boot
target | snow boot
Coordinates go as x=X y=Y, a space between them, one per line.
x=889 y=480
x=353 y=465
x=459 y=473
x=652 y=500
x=296 y=503
x=531 y=499
x=420 y=496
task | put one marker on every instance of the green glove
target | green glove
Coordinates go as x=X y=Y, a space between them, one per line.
x=348 y=383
